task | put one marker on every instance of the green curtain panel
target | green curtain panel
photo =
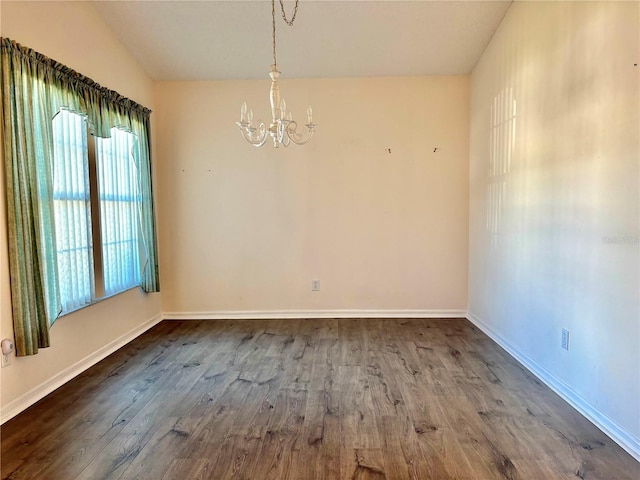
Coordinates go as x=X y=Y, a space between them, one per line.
x=34 y=89
x=149 y=279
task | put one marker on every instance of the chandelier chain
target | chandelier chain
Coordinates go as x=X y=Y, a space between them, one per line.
x=273 y=22
x=284 y=17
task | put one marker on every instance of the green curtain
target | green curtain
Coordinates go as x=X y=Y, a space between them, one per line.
x=27 y=154
x=34 y=89
x=149 y=278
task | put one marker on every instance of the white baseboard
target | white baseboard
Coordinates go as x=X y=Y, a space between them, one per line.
x=278 y=314
x=24 y=401
x=610 y=427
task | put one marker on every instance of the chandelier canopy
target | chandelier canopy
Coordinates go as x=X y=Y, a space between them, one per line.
x=283 y=129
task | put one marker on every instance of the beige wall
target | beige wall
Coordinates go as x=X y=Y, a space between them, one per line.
x=247 y=229
x=73 y=34
x=554 y=169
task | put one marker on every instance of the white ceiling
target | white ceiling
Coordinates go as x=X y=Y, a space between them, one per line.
x=207 y=40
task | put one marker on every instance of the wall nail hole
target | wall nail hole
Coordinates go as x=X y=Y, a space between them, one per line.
x=435 y=150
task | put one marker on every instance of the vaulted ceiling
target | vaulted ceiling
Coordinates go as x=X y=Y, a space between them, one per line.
x=207 y=40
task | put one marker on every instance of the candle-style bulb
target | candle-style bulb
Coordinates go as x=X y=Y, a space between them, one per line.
x=289 y=116
x=250 y=116
x=243 y=111
x=309 y=114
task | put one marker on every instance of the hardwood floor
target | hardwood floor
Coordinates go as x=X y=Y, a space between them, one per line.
x=308 y=399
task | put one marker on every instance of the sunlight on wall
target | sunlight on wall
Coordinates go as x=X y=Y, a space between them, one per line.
x=502 y=136
x=554 y=188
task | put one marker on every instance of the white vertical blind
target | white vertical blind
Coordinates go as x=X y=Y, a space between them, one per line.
x=72 y=210
x=119 y=203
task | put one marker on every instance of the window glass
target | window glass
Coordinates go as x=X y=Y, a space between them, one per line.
x=72 y=210
x=84 y=164
x=119 y=200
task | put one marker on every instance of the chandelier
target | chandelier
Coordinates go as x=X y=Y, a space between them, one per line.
x=283 y=129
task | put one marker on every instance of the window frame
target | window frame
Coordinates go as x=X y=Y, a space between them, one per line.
x=95 y=217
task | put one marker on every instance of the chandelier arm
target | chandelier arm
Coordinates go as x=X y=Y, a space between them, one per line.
x=258 y=144
x=253 y=140
x=297 y=138
x=302 y=142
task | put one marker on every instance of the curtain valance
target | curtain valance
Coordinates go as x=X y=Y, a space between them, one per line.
x=69 y=89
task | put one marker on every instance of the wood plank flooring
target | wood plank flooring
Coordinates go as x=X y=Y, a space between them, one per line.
x=308 y=399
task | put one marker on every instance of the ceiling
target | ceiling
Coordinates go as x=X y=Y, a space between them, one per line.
x=209 y=40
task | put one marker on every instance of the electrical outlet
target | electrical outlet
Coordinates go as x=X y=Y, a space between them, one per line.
x=565 y=339
x=6 y=360
x=315 y=285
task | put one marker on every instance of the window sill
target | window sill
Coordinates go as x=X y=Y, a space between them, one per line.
x=94 y=302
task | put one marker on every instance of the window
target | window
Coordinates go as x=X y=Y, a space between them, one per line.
x=96 y=203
